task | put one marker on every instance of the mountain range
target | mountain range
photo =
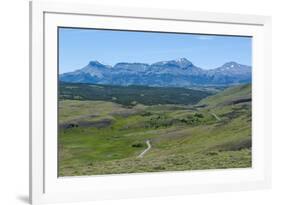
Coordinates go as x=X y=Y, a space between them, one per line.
x=175 y=73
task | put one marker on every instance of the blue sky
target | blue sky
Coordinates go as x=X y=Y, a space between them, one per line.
x=78 y=46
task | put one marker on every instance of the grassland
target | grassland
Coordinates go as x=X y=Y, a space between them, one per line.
x=103 y=135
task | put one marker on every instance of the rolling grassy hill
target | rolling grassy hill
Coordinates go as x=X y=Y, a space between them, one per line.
x=229 y=95
x=104 y=136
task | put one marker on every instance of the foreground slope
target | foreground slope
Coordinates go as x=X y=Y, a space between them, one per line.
x=101 y=137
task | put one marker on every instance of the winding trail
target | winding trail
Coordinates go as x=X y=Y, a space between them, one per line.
x=215 y=116
x=146 y=150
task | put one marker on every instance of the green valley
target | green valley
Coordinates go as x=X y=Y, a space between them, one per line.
x=104 y=129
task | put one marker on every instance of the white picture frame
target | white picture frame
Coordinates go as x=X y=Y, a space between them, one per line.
x=46 y=187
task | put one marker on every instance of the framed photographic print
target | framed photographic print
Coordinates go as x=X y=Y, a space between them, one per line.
x=129 y=102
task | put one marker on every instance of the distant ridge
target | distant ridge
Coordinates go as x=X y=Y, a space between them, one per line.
x=175 y=73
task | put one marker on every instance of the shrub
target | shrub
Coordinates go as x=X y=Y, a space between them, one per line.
x=71 y=125
x=159 y=167
x=145 y=113
x=138 y=144
x=199 y=115
x=212 y=153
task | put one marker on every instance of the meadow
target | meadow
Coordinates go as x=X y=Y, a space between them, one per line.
x=105 y=129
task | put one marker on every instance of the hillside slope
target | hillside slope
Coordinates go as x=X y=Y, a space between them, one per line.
x=101 y=137
x=229 y=95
